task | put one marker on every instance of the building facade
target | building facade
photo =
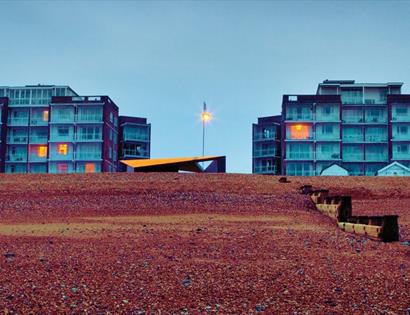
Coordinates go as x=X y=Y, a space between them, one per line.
x=135 y=135
x=51 y=129
x=266 y=145
x=362 y=127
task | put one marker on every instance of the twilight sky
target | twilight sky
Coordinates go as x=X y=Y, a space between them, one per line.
x=161 y=60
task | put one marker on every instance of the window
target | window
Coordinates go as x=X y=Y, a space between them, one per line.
x=89 y=167
x=402 y=129
x=42 y=151
x=401 y=111
x=63 y=131
x=402 y=148
x=62 y=149
x=45 y=115
x=327 y=129
x=299 y=131
x=111 y=117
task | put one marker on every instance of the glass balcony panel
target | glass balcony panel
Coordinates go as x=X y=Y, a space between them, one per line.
x=16 y=157
x=352 y=116
x=401 y=113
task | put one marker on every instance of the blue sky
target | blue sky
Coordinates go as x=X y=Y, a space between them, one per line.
x=161 y=60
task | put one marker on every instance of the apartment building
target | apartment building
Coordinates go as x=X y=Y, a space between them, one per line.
x=362 y=127
x=51 y=129
x=135 y=135
x=266 y=145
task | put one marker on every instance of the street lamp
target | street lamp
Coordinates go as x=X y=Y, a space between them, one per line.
x=206 y=117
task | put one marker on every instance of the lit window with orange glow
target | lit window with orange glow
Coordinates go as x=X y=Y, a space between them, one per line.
x=89 y=167
x=299 y=131
x=62 y=149
x=45 y=115
x=42 y=151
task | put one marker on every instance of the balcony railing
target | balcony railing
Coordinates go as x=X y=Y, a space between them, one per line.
x=400 y=136
x=60 y=138
x=376 y=157
x=135 y=137
x=321 y=117
x=135 y=154
x=325 y=136
x=38 y=139
x=353 y=138
x=328 y=156
x=89 y=118
x=88 y=155
x=378 y=119
x=268 y=152
x=302 y=117
x=265 y=169
x=17 y=157
x=376 y=138
x=403 y=118
x=89 y=137
x=62 y=119
x=261 y=136
x=352 y=156
x=401 y=156
x=18 y=121
x=17 y=139
x=60 y=157
x=38 y=122
x=35 y=158
x=299 y=155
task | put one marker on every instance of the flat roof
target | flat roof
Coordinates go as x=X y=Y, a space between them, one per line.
x=165 y=161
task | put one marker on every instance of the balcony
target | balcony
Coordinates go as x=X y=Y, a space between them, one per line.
x=352 y=157
x=353 y=138
x=17 y=139
x=301 y=117
x=18 y=121
x=89 y=137
x=136 y=137
x=266 y=152
x=267 y=169
x=299 y=155
x=36 y=158
x=401 y=137
x=376 y=120
x=376 y=157
x=401 y=156
x=88 y=155
x=89 y=119
x=379 y=137
x=38 y=122
x=328 y=156
x=401 y=118
x=38 y=139
x=263 y=137
x=16 y=157
x=62 y=119
x=140 y=154
x=61 y=138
